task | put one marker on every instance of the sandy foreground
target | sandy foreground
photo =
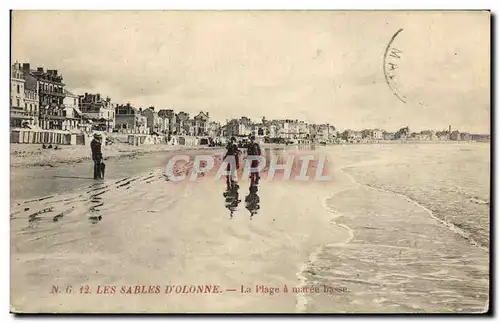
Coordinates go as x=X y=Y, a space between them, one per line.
x=130 y=245
x=149 y=231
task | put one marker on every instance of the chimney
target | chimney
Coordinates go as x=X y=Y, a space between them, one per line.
x=449 y=128
x=26 y=67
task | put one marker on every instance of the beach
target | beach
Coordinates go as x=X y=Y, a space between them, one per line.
x=29 y=155
x=398 y=229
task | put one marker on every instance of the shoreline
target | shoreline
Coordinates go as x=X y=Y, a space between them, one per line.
x=32 y=155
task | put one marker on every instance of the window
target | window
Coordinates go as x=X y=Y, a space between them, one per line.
x=74 y=102
x=18 y=104
x=18 y=92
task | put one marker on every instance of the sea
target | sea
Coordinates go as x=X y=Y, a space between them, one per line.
x=419 y=222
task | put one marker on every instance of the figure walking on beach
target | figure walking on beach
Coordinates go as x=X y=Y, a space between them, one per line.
x=253 y=149
x=232 y=152
x=95 y=146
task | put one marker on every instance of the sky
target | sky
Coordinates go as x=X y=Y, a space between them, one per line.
x=316 y=66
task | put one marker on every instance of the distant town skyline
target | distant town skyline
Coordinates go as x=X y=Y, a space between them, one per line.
x=319 y=67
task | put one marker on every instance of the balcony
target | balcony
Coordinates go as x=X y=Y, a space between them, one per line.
x=54 y=93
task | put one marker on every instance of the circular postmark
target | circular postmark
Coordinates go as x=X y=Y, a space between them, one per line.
x=392 y=58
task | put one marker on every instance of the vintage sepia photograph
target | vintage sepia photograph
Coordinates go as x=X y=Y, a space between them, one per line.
x=250 y=161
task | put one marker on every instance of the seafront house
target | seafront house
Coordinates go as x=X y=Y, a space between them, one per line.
x=130 y=120
x=154 y=121
x=388 y=135
x=231 y=128
x=465 y=136
x=201 y=122
x=402 y=133
x=182 y=125
x=457 y=136
x=239 y=127
x=214 y=129
x=71 y=111
x=18 y=112
x=352 y=136
x=99 y=110
x=327 y=133
x=190 y=127
x=169 y=119
x=164 y=125
x=151 y=119
x=428 y=135
x=50 y=94
x=303 y=132
x=31 y=100
x=377 y=134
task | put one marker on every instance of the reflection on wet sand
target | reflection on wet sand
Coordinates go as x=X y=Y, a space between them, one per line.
x=232 y=200
x=252 y=200
x=94 y=218
x=231 y=196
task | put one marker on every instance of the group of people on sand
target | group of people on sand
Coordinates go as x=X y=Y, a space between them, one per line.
x=231 y=195
x=44 y=146
x=253 y=149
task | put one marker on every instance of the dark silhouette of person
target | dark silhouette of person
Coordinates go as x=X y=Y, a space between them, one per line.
x=252 y=201
x=232 y=150
x=95 y=146
x=231 y=196
x=253 y=149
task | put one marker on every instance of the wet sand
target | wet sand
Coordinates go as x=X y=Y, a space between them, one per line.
x=145 y=230
x=383 y=252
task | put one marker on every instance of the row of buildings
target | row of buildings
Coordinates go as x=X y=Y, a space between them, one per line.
x=39 y=99
x=405 y=134
x=286 y=130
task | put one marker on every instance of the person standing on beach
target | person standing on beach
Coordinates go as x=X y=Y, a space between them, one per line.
x=253 y=149
x=95 y=146
x=232 y=150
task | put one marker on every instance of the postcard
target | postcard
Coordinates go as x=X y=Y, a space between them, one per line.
x=250 y=162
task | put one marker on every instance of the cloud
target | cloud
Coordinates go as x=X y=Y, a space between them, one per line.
x=320 y=66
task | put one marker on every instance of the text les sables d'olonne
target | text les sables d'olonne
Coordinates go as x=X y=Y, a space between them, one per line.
x=195 y=289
